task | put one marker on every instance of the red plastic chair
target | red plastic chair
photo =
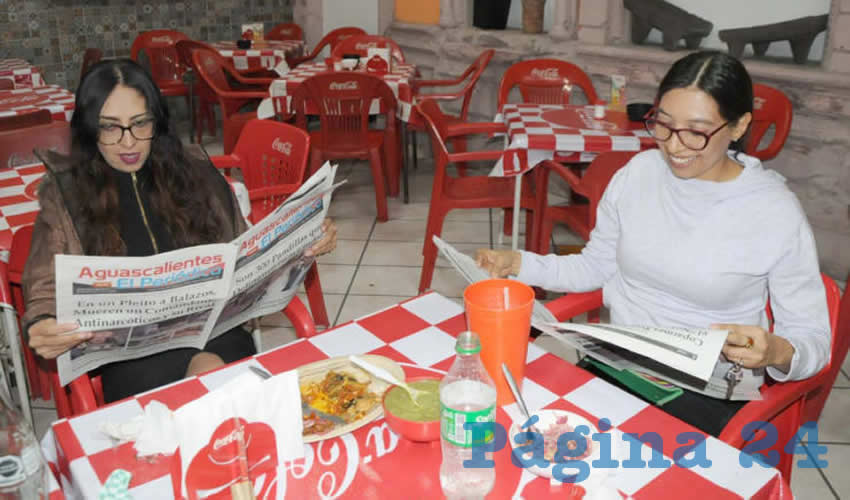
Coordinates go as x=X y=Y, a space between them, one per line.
x=449 y=193
x=16 y=146
x=581 y=218
x=360 y=45
x=214 y=71
x=163 y=61
x=31 y=119
x=523 y=75
x=204 y=113
x=467 y=80
x=85 y=393
x=90 y=57
x=344 y=101
x=785 y=405
x=273 y=159
x=285 y=31
x=331 y=39
x=770 y=107
x=6 y=84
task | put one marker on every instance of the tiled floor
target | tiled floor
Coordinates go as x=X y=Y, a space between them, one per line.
x=377 y=265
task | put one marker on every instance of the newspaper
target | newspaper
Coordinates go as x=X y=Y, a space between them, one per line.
x=138 y=306
x=689 y=358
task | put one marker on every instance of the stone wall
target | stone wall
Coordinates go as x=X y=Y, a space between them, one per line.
x=53 y=34
x=816 y=156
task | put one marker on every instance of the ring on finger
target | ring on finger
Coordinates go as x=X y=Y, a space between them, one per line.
x=749 y=343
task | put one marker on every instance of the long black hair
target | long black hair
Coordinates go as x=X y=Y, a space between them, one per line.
x=180 y=192
x=719 y=75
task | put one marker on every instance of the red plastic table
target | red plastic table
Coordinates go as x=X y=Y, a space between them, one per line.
x=373 y=462
x=22 y=73
x=53 y=98
x=262 y=54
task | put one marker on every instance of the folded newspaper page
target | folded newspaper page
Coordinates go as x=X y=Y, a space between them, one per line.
x=689 y=358
x=138 y=306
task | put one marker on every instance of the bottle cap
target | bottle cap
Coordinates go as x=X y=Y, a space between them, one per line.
x=468 y=343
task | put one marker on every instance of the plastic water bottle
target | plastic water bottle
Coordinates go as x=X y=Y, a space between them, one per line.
x=23 y=472
x=467 y=394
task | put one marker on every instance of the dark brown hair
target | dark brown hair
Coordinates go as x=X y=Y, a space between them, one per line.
x=180 y=192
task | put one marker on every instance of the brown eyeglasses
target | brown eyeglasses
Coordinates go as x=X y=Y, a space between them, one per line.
x=692 y=139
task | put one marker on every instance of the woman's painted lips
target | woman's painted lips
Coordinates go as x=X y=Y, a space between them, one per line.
x=131 y=158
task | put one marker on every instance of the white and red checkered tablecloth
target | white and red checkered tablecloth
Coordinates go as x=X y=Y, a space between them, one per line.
x=58 y=101
x=398 y=80
x=532 y=139
x=373 y=462
x=262 y=54
x=19 y=201
x=22 y=73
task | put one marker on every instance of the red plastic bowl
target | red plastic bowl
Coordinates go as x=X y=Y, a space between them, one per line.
x=414 y=431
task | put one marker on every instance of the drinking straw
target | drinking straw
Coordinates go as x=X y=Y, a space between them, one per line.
x=507 y=302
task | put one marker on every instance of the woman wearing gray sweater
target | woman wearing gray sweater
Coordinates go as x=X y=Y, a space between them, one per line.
x=697 y=234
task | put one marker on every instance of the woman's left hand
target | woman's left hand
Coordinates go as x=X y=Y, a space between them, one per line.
x=754 y=347
x=328 y=241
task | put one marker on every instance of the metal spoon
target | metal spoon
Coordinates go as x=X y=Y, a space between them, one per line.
x=517 y=396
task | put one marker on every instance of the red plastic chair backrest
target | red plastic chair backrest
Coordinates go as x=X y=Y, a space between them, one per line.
x=90 y=57
x=541 y=91
x=344 y=101
x=6 y=84
x=18 y=254
x=335 y=36
x=272 y=154
x=212 y=68
x=597 y=177
x=159 y=48
x=770 y=107
x=16 y=146
x=185 y=48
x=285 y=31
x=436 y=123
x=473 y=72
x=14 y=122
x=360 y=45
x=545 y=69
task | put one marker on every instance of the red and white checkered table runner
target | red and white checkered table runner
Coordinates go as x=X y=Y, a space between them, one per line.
x=373 y=462
x=532 y=139
x=58 y=101
x=268 y=54
x=398 y=80
x=22 y=73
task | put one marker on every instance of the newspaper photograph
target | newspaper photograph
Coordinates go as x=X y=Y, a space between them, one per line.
x=706 y=376
x=138 y=306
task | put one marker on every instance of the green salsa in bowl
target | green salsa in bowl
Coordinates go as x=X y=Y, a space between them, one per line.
x=415 y=422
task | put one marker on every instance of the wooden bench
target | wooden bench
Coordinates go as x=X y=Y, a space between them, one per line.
x=673 y=22
x=800 y=33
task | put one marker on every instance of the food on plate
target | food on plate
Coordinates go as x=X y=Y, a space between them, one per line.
x=339 y=394
x=427 y=405
x=314 y=424
x=550 y=441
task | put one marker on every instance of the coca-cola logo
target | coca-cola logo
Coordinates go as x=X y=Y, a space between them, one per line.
x=282 y=147
x=366 y=45
x=349 y=85
x=546 y=73
x=162 y=39
x=225 y=441
x=758 y=102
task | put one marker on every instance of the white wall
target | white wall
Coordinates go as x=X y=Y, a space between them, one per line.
x=724 y=14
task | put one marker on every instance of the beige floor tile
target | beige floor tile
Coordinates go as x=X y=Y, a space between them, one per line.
x=809 y=484
x=354 y=228
x=346 y=252
x=42 y=418
x=833 y=425
x=349 y=203
x=407 y=253
x=448 y=282
x=838 y=457
x=332 y=303
x=386 y=280
x=277 y=336
x=357 y=306
x=399 y=210
x=399 y=230
x=335 y=278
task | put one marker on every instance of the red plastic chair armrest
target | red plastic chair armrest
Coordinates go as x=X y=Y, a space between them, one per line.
x=269 y=191
x=574 y=304
x=82 y=395
x=258 y=81
x=416 y=84
x=471 y=128
x=247 y=94
x=475 y=156
x=300 y=318
x=226 y=161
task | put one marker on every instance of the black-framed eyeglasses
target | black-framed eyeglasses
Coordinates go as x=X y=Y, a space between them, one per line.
x=695 y=140
x=113 y=133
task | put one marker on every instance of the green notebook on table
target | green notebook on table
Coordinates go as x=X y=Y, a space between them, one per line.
x=654 y=389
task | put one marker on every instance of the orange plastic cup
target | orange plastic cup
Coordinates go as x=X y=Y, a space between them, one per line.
x=503 y=330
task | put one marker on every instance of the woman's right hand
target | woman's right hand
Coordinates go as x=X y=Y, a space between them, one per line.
x=499 y=263
x=50 y=339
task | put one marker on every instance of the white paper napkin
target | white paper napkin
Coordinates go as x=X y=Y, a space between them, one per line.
x=153 y=431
